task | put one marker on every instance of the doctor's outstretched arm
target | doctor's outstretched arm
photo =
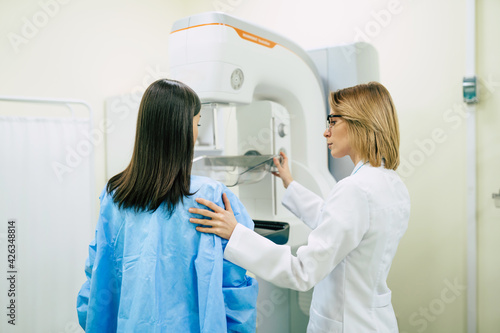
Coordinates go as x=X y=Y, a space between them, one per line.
x=344 y=221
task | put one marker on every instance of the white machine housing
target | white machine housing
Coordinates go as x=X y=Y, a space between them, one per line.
x=259 y=80
x=227 y=60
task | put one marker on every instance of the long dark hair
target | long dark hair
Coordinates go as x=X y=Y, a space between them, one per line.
x=160 y=169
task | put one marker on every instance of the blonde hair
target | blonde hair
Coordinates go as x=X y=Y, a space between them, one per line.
x=372 y=122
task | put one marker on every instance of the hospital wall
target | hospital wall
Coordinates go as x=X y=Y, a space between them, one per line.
x=93 y=50
x=488 y=154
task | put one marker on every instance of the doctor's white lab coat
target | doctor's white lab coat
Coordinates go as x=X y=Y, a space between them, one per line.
x=356 y=231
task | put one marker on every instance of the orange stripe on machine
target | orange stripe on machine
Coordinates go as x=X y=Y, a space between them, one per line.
x=243 y=34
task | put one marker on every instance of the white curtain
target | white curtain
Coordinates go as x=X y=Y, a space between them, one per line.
x=46 y=186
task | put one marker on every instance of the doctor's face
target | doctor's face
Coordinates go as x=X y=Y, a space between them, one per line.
x=337 y=138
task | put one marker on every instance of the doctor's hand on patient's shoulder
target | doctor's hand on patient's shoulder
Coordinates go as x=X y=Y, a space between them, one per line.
x=283 y=170
x=222 y=221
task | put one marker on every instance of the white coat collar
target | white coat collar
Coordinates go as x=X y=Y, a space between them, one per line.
x=358 y=166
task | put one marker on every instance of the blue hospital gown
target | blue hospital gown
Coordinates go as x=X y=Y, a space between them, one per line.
x=148 y=272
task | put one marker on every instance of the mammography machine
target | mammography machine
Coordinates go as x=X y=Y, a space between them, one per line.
x=261 y=94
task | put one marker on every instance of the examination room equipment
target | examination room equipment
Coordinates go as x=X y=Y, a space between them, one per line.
x=262 y=94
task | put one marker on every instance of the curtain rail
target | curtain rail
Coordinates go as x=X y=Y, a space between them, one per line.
x=48 y=101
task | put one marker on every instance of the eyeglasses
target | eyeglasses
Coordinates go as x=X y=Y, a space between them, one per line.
x=329 y=121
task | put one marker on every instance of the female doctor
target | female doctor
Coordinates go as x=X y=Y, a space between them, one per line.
x=355 y=230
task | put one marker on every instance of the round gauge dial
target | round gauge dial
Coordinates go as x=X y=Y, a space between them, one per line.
x=237 y=79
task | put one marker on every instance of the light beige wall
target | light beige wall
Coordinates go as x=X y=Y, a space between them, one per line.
x=488 y=154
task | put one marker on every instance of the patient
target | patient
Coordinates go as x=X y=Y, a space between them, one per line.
x=148 y=269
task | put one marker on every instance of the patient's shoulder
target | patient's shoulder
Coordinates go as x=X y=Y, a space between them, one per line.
x=206 y=186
